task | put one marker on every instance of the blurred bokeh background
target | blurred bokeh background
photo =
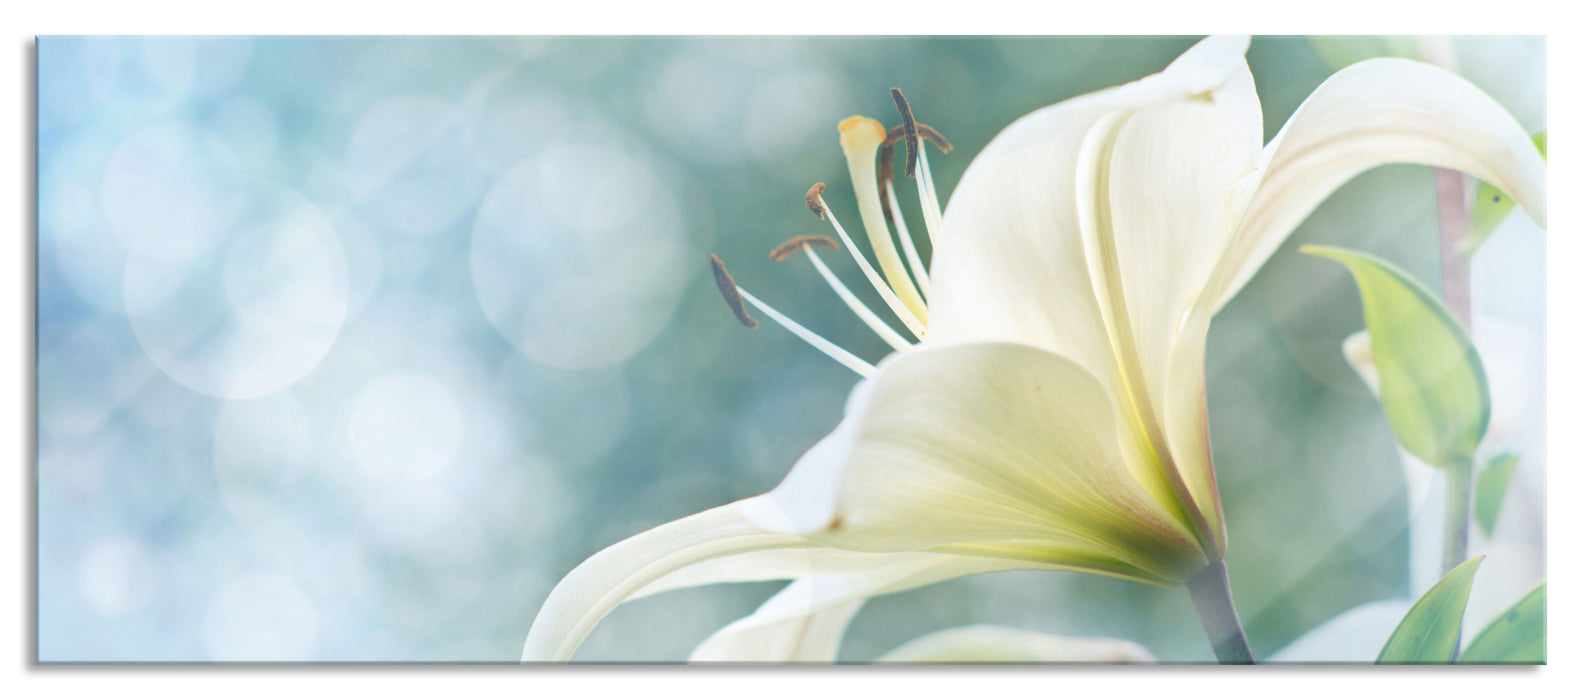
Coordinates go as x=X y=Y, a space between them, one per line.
x=350 y=348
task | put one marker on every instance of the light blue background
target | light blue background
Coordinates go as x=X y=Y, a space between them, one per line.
x=350 y=348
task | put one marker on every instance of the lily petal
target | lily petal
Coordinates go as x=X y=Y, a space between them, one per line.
x=993 y=644
x=984 y=449
x=805 y=620
x=1011 y=264
x=1160 y=192
x=1036 y=242
x=620 y=571
x=1384 y=110
x=811 y=638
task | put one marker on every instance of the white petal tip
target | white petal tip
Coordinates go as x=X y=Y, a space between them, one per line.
x=1209 y=63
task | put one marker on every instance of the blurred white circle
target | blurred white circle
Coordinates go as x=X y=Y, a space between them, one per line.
x=580 y=255
x=117 y=576
x=405 y=428
x=512 y=127
x=257 y=310
x=169 y=192
x=260 y=618
x=789 y=125
x=694 y=99
x=410 y=164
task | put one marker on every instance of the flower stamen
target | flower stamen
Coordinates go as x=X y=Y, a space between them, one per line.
x=917 y=160
x=808 y=243
x=890 y=299
x=791 y=247
x=909 y=128
x=729 y=290
x=734 y=295
x=913 y=260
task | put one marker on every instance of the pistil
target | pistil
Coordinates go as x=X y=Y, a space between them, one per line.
x=861 y=138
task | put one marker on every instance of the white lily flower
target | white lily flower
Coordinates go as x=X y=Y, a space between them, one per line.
x=1053 y=413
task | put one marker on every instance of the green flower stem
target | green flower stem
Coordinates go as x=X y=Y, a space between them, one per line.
x=1458 y=512
x=1211 y=596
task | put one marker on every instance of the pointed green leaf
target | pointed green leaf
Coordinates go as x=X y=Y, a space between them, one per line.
x=1516 y=636
x=1490 y=205
x=1431 y=381
x=1430 y=630
x=1492 y=481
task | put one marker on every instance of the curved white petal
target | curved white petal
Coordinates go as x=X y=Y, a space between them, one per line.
x=1088 y=228
x=811 y=638
x=1011 y=264
x=1160 y=193
x=618 y=572
x=993 y=644
x=1354 y=636
x=805 y=620
x=1384 y=110
x=986 y=449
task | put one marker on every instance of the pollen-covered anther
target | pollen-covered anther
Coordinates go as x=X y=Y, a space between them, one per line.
x=728 y=290
x=908 y=128
x=814 y=194
x=930 y=134
x=800 y=243
x=897 y=133
x=924 y=131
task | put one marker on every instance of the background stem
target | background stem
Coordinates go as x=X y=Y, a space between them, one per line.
x=1455 y=264
x=1458 y=512
x=1211 y=596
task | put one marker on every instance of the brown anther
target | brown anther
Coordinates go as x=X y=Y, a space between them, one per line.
x=928 y=133
x=886 y=174
x=909 y=126
x=924 y=131
x=813 y=194
x=896 y=133
x=728 y=290
x=796 y=245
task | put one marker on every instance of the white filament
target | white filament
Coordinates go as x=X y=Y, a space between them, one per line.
x=913 y=260
x=927 y=196
x=837 y=353
x=900 y=310
x=863 y=312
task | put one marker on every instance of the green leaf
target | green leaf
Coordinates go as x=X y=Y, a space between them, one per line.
x=1490 y=205
x=1492 y=481
x=1431 y=381
x=1430 y=630
x=1516 y=636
